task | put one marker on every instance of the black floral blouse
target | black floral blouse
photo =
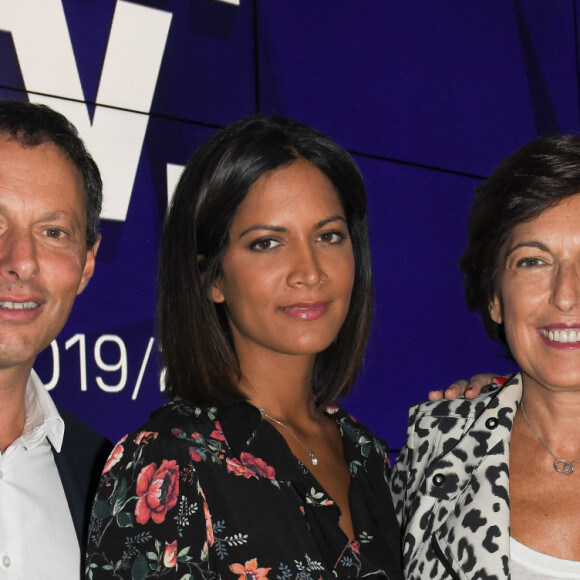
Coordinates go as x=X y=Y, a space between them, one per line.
x=216 y=493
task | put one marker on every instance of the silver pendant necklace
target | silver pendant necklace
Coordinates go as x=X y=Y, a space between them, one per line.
x=313 y=458
x=560 y=465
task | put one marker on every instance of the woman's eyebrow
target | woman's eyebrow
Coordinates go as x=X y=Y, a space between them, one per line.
x=267 y=227
x=528 y=244
x=328 y=220
x=281 y=229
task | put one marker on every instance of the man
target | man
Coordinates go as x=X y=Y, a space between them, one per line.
x=50 y=200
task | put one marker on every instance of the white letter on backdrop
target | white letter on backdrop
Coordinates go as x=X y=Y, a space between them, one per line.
x=128 y=78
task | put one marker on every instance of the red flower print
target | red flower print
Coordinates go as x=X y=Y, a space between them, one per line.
x=145 y=436
x=208 y=522
x=250 y=570
x=257 y=465
x=331 y=409
x=158 y=489
x=235 y=467
x=194 y=454
x=218 y=433
x=170 y=554
x=115 y=456
x=176 y=432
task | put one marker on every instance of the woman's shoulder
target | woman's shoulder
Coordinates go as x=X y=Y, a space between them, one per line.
x=491 y=396
x=355 y=431
x=177 y=420
x=181 y=413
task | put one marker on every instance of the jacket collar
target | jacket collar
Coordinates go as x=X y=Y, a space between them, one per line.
x=486 y=432
x=481 y=453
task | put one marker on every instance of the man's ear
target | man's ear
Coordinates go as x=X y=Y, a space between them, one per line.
x=496 y=310
x=89 y=268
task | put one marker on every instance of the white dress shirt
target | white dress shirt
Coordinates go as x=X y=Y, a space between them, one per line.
x=37 y=534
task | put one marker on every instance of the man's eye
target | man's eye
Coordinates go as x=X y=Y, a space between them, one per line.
x=54 y=233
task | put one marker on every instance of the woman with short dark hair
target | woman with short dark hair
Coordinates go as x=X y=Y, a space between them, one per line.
x=264 y=307
x=488 y=488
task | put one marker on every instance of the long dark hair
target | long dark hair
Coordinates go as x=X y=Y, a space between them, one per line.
x=196 y=349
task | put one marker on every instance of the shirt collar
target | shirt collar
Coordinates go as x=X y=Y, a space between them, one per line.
x=42 y=417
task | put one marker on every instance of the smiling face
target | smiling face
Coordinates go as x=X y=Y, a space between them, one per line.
x=538 y=296
x=288 y=270
x=44 y=261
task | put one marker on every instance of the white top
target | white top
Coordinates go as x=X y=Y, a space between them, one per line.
x=37 y=534
x=527 y=564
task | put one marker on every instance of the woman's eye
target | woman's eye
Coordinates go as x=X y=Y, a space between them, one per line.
x=54 y=233
x=264 y=244
x=530 y=262
x=332 y=237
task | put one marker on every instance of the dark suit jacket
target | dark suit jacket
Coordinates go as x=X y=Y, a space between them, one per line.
x=79 y=463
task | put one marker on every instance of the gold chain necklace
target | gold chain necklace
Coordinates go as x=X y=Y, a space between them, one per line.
x=560 y=465
x=313 y=457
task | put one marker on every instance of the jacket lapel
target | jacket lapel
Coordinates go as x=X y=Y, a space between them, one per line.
x=471 y=486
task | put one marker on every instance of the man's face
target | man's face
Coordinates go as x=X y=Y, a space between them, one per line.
x=44 y=260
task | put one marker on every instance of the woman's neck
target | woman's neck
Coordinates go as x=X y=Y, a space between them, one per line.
x=554 y=414
x=283 y=386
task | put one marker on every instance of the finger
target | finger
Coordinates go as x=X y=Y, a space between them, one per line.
x=435 y=395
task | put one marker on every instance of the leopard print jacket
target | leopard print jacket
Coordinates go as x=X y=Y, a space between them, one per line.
x=450 y=487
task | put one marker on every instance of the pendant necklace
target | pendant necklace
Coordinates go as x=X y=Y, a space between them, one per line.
x=313 y=458
x=560 y=465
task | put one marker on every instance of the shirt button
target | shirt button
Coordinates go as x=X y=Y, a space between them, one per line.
x=6 y=561
x=438 y=479
x=492 y=423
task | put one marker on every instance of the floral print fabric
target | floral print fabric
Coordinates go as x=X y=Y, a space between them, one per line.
x=206 y=492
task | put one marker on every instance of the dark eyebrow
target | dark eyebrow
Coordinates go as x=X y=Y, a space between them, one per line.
x=280 y=229
x=263 y=227
x=48 y=217
x=530 y=244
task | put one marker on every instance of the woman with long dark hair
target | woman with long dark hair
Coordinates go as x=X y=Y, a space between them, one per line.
x=265 y=295
x=264 y=309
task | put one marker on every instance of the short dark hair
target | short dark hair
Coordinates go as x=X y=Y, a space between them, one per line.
x=196 y=348
x=31 y=124
x=536 y=177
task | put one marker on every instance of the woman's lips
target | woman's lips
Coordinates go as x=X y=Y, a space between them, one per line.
x=306 y=310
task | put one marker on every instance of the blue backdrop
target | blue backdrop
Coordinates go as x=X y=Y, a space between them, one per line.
x=427 y=96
